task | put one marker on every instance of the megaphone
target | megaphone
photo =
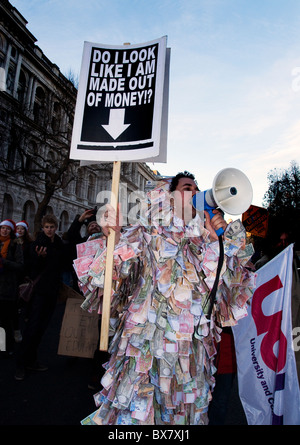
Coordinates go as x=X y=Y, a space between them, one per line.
x=231 y=192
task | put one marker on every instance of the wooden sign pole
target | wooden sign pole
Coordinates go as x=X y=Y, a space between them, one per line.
x=109 y=262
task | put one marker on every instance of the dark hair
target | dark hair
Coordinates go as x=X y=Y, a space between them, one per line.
x=49 y=219
x=176 y=178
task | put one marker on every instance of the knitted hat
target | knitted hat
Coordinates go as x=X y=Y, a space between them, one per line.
x=23 y=224
x=92 y=222
x=10 y=223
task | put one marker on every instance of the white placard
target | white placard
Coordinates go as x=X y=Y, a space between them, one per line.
x=122 y=103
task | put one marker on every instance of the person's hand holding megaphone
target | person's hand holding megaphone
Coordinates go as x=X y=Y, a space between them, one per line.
x=215 y=223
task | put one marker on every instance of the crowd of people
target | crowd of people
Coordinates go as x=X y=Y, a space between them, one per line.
x=11 y=268
x=46 y=261
x=176 y=258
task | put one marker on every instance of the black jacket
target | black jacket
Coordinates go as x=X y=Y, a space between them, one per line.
x=11 y=272
x=49 y=268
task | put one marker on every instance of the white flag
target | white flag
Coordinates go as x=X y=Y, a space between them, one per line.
x=267 y=374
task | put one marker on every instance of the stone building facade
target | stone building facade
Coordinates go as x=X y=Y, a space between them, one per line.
x=37 y=105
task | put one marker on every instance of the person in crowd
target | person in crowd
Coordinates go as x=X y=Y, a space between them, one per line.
x=93 y=230
x=46 y=258
x=272 y=245
x=161 y=369
x=22 y=229
x=68 y=270
x=73 y=236
x=11 y=268
x=88 y=217
x=25 y=239
x=225 y=362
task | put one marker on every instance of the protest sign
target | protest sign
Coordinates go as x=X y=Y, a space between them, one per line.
x=121 y=115
x=121 y=105
x=66 y=292
x=267 y=374
x=79 y=331
x=255 y=221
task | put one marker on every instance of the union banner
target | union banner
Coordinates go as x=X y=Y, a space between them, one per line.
x=267 y=374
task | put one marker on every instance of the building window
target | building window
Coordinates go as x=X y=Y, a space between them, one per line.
x=64 y=221
x=56 y=118
x=2 y=50
x=13 y=53
x=10 y=79
x=91 y=189
x=11 y=156
x=39 y=103
x=2 y=43
x=80 y=184
x=22 y=86
x=28 y=214
x=7 y=207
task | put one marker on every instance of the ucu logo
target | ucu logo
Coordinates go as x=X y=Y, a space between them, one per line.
x=270 y=325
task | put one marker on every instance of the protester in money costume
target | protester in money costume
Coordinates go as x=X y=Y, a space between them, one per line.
x=161 y=366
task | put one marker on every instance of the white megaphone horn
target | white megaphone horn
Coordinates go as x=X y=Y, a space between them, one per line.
x=231 y=192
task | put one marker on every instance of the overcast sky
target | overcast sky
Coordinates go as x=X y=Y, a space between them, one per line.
x=234 y=74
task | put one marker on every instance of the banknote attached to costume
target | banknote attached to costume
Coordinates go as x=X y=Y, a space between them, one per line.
x=162 y=343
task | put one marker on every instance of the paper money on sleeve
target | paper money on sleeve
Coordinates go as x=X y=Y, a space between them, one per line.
x=89 y=419
x=235 y=228
x=239 y=312
x=81 y=266
x=144 y=363
x=98 y=264
x=89 y=247
x=140 y=407
x=124 y=251
x=124 y=392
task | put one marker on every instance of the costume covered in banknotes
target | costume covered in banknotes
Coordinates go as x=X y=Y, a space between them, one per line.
x=162 y=348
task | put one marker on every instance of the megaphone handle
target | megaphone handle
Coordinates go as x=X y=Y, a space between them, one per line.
x=220 y=231
x=212 y=296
